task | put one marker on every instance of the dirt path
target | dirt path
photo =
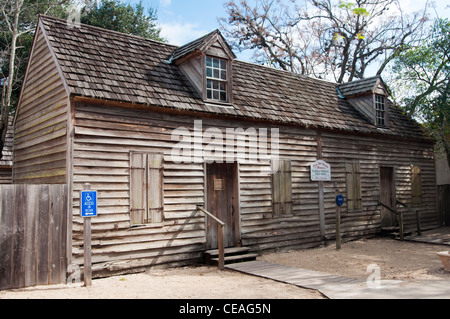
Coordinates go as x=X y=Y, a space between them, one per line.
x=179 y=283
x=397 y=260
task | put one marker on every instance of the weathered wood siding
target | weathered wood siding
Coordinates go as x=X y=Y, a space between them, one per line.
x=41 y=123
x=365 y=104
x=373 y=153
x=105 y=136
x=33 y=235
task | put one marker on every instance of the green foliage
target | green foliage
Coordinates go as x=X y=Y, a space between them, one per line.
x=118 y=16
x=422 y=82
x=111 y=14
x=351 y=7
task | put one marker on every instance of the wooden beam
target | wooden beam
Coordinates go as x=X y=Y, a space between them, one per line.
x=321 y=190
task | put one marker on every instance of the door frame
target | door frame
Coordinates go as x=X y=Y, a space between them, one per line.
x=393 y=193
x=236 y=203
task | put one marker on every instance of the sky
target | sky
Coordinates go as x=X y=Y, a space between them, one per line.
x=182 y=21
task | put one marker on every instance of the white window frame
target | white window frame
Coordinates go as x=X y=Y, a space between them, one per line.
x=216 y=86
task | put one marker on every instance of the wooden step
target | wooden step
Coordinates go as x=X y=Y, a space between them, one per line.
x=228 y=251
x=236 y=258
x=231 y=255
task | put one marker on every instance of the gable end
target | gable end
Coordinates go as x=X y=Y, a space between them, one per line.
x=40 y=123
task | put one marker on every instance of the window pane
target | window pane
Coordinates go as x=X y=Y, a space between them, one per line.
x=216 y=75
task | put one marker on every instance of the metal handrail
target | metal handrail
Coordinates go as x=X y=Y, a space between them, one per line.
x=220 y=229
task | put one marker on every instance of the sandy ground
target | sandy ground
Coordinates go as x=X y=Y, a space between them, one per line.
x=397 y=260
x=201 y=282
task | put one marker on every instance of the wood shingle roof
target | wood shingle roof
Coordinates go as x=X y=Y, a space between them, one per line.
x=102 y=64
x=358 y=87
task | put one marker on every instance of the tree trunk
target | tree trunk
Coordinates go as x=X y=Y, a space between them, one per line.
x=6 y=101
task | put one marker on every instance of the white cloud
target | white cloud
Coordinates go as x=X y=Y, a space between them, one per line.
x=165 y=3
x=180 y=34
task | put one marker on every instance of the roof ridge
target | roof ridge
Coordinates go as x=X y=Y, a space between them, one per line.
x=361 y=80
x=64 y=21
x=287 y=72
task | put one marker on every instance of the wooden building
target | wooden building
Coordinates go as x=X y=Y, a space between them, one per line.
x=149 y=126
x=7 y=157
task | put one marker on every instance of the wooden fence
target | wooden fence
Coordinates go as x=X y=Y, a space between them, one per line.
x=33 y=235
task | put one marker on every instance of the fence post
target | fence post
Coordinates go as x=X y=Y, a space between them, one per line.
x=338 y=219
x=221 y=247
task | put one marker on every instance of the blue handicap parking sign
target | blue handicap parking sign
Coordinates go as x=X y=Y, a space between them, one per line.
x=88 y=203
x=340 y=200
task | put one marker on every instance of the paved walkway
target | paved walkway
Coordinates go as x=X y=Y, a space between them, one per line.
x=337 y=287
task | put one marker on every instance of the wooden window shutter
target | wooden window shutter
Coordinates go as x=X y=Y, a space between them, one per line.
x=353 y=181
x=138 y=186
x=276 y=200
x=416 y=185
x=155 y=186
x=282 y=189
x=357 y=189
x=146 y=188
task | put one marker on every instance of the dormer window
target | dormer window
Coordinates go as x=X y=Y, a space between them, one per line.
x=380 y=109
x=370 y=97
x=208 y=64
x=216 y=79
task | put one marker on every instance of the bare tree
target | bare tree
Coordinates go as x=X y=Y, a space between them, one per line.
x=322 y=37
x=18 y=18
x=10 y=11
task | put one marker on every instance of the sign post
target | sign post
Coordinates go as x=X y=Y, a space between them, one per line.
x=339 y=203
x=88 y=209
x=321 y=172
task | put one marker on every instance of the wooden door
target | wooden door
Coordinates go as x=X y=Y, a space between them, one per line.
x=222 y=202
x=387 y=185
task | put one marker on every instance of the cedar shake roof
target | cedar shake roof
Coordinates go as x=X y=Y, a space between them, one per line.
x=358 y=87
x=102 y=64
x=197 y=45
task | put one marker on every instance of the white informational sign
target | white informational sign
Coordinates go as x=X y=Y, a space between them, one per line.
x=320 y=171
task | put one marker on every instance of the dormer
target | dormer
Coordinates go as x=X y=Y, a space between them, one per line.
x=207 y=63
x=370 y=98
